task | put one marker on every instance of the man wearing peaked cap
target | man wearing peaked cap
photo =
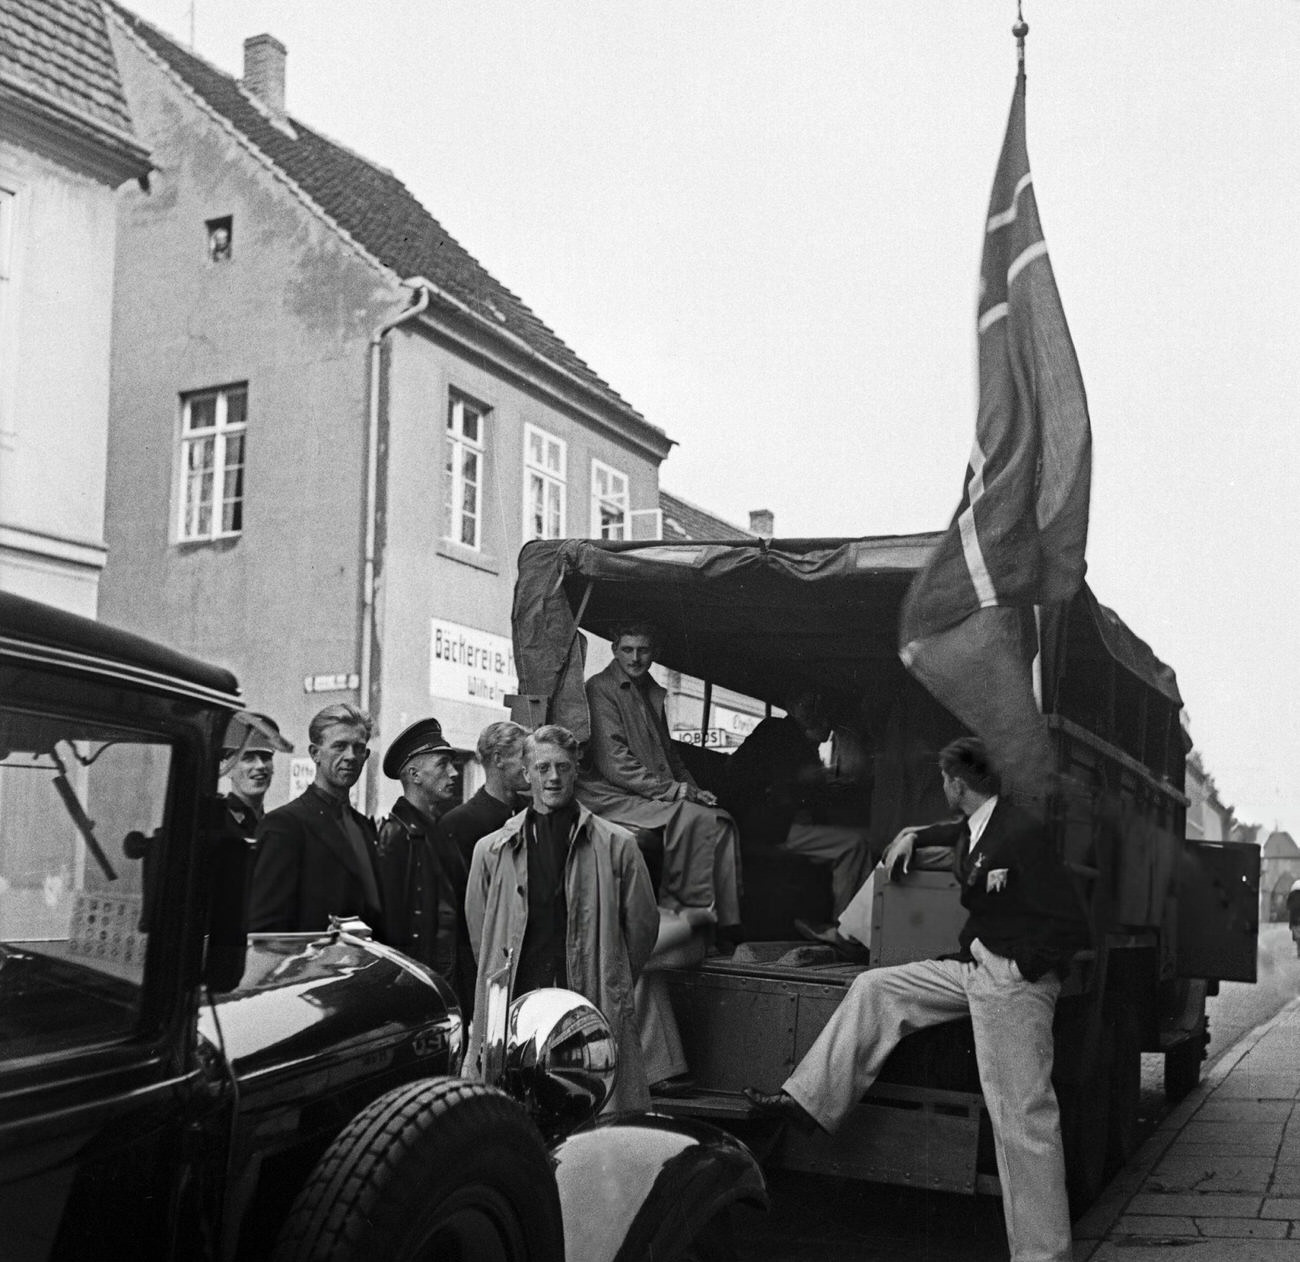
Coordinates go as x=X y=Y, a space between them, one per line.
x=422 y=874
x=247 y=757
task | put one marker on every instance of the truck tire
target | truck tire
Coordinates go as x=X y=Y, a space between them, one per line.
x=1085 y=1126
x=440 y=1170
x=1183 y=1064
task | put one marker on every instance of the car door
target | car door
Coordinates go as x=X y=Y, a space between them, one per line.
x=97 y=1069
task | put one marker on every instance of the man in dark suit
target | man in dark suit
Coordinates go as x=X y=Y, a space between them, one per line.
x=503 y=793
x=315 y=854
x=421 y=875
x=1018 y=940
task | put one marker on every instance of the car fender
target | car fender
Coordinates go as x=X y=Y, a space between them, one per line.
x=638 y=1187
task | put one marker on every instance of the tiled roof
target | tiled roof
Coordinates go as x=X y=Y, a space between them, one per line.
x=373 y=206
x=683 y=520
x=61 y=49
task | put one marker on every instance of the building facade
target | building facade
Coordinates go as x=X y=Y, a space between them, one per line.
x=66 y=143
x=332 y=429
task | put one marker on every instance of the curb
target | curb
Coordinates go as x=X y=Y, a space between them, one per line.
x=1094 y=1228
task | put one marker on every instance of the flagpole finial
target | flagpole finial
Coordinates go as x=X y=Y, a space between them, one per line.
x=1020 y=30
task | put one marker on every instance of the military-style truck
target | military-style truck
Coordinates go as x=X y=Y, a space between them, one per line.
x=172 y=1089
x=1168 y=917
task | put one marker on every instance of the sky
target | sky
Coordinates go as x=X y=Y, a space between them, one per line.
x=761 y=223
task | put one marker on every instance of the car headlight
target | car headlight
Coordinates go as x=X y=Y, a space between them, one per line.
x=560 y=1058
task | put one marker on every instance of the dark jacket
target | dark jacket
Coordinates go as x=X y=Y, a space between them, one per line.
x=463 y=825
x=772 y=778
x=1021 y=903
x=422 y=879
x=306 y=869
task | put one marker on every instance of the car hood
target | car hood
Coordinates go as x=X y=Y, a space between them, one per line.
x=331 y=998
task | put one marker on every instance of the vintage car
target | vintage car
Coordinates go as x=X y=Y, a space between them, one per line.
x=170 y=1088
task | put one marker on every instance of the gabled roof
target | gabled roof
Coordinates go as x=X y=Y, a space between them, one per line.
x=56 y=60
x=1280 y=845
x=684 y=520
x=372 y=206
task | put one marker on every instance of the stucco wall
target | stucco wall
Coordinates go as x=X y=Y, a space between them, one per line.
x=55 y=312
x=290 y=314
x=424 y=578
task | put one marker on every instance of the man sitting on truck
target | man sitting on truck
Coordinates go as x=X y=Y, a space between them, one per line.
x=777 y=790
x=638 y=780
x=1018 y=939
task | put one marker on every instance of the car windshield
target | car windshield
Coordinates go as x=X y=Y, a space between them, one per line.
x=81 y=805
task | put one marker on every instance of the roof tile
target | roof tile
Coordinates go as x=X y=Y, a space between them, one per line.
x=372 y=205
x=61 y=48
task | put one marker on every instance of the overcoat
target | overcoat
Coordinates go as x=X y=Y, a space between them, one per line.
x=612 y=925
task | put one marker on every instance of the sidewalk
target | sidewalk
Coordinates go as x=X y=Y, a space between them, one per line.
x=1220 y=1180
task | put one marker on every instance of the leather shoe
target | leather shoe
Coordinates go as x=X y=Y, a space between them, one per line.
x=779 y=1105
x=673 y=1088
x=830 y=936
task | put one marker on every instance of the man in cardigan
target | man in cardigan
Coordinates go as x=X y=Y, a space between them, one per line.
x=638 y=780
x=1018 y=939
x=315 y=854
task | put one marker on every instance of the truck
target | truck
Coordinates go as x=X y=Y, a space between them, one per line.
x=172 y=1088
x=1168 y=917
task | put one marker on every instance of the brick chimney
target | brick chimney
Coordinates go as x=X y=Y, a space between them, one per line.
x=264 y=58
x=761 y=522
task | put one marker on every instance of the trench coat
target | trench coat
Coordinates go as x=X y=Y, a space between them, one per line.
x=613 y=922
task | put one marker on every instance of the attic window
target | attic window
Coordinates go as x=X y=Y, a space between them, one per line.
x=221 y=239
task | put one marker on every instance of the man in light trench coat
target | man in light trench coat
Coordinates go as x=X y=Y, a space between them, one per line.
x=570 y=897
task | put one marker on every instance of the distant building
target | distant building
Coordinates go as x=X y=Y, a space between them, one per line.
x=1279 y=866
x=66 y=142
x=731 y=716
x=1208 y=819
x=332 y=428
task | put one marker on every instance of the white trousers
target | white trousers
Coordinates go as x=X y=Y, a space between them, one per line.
x=1012 y=1019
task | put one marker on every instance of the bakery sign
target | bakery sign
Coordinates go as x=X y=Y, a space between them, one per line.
x=466 y=664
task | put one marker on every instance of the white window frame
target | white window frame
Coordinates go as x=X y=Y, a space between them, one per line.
x=459 y=448
x=599 y=499
x=219 y=434
x=549 y=475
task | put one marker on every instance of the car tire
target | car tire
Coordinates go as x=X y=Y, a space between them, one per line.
x=437 y=1169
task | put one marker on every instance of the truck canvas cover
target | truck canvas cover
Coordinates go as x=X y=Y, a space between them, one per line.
x=759 y=616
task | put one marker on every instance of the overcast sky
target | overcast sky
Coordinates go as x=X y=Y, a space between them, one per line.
x=761 y=223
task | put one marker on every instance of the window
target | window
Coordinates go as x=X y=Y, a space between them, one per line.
x=463 y=518
x=221 y=239
x=213 y=428
x=544 y=464
x=609 y=503
x=80 y=804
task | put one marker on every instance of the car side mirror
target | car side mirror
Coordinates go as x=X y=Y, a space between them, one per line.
x=227 y=862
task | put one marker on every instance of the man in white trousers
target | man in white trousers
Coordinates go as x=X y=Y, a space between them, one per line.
x=1020 y=934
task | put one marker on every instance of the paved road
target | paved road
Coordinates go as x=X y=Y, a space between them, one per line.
x=822 y=1219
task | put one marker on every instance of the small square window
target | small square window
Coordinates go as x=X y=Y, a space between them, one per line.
x=221 y=239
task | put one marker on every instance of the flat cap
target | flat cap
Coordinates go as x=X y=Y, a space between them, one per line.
x=424 y=736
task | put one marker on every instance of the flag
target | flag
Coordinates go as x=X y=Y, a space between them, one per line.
x=967 y=629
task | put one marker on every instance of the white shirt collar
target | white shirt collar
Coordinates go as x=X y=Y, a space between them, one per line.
x=978 y=818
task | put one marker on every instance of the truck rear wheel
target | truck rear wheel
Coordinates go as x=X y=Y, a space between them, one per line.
x=1125 y=1090
x=1183 y=1064
x=438 y=1170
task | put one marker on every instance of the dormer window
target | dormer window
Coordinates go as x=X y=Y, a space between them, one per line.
x=221 y=239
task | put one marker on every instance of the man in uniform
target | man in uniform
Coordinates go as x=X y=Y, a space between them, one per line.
x=315 y=854
x=1022 y=930
x=421 y=874
x=248 y=752
x=565 y=898
x=639 y=781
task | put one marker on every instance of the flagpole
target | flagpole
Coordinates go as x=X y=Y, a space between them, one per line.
x=1020 y=30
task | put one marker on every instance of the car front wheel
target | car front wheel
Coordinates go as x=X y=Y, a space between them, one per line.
x=435 y=1171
